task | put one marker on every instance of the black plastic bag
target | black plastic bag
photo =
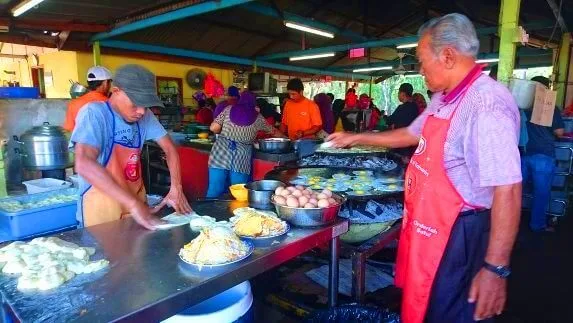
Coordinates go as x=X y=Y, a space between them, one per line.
x=353 y=313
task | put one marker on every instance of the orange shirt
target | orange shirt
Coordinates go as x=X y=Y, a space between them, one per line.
x=77 y=104
x=300 y=116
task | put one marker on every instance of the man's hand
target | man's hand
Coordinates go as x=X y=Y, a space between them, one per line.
x=488 y=291
x=176 y=199
x=342 y=139
x=142 y=215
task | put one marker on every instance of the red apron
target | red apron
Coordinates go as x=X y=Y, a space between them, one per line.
x=431 y=206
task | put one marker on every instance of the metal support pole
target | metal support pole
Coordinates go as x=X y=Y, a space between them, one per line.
x=97 y=53
x=561 y=70
x=508 y=23
x=359 y=278
x=370 y=88
x=333 y=272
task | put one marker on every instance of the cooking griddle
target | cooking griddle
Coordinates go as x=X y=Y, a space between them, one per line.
x=339 y=153
x=286 y=175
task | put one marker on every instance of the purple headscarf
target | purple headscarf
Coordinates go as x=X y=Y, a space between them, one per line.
x=232 y=92
x=243 y=113
x=325 y=106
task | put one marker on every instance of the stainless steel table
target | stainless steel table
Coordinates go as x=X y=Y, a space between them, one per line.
x=147 y=281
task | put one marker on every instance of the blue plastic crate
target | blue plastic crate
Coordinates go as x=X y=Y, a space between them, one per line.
x=19 y=92
x=36 y=221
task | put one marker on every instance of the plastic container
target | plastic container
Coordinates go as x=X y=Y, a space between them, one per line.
x=232 y=305
x=239 y=192
x=75 y=179
x=45 y=185
x=35 y=221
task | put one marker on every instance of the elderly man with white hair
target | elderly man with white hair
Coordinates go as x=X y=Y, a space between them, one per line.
x=463 y=184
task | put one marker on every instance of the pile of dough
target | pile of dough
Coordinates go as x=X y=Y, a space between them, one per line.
x=214 y=245
x=46 y=263
x=12 y=205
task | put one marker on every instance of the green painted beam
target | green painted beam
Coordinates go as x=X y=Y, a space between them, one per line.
x=562 y=70
x=508 y=23
x=96 y=53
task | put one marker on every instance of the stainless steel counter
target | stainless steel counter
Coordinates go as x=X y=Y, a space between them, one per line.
x=146 y=280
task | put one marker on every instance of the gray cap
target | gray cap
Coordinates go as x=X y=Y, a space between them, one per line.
x=139 y=85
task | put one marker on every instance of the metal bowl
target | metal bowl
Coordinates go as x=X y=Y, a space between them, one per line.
x=275 y=145
x=314 y=217
x=260 y=193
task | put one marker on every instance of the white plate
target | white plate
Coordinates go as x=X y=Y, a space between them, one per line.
x=199 y=267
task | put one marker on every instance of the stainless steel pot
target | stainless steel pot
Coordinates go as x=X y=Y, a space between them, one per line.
x=77 y=90
x=44 y=148
x=275 y=145
x=260 y=192
x=303 y=217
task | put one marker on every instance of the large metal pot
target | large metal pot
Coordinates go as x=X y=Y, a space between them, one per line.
x=44 y=148
x=260 y=193
x=275 y=145
x=77 y=90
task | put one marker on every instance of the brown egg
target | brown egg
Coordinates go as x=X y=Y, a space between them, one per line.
x=313 y=201
x=279 y=190
x=291 y=188
x=281 y=200
x=297 y=193
x=323 y=203
x=299 y=187
x=292 y=201
x=309 y=206
x=285 y=193
x=303 y=200
x=332 y=201
x=327 y=192
x=322 y=196
x=306 y=193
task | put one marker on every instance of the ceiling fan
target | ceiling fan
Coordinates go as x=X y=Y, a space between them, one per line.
x=400 y=69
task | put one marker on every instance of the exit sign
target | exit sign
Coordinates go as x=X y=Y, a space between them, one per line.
x=357 y=52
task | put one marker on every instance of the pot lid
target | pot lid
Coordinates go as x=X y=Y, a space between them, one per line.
x=46 y=130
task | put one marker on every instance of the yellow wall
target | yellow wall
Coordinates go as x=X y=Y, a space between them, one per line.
x=64 y=68
x=159 y=68
x=20 y=66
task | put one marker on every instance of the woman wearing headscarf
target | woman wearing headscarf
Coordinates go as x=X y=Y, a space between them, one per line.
x=232 y=97
x=269 y=112
x=230 y=159
x=325 y=105
x=337 y=107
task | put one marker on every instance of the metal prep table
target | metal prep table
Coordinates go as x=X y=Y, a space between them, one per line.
x=147 y=281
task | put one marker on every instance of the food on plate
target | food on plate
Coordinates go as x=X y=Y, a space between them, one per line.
x=201 y=222
x=306 y=198
x=254 y=223
x=46 y=263
x=214 y=246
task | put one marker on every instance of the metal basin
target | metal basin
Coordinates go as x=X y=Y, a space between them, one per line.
x=314 y=217
x=275 y=145
x=260 y=193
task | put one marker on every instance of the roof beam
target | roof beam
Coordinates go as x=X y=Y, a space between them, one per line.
x=385 y=42
x=190 y=11
x=52 y=25
x=225 y=59
x=556 y=8
x=271 y=12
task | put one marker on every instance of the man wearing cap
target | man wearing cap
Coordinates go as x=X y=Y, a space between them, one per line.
x=99 y=83
x=108 y=139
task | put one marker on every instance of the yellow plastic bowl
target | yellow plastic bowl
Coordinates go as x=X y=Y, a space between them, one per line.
x=203 y=135
x=239 y=192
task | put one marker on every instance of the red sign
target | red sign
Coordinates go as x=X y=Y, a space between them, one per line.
x=357 y=52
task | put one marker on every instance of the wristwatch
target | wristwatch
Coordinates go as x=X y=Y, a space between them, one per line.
x=501 y=271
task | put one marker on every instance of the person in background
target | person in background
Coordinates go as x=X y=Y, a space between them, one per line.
x=538 y=162
x=420 y=102
x=301 y=116
x=325 y=105
x=350 y=100
x=337 y=107
x=230 y=159
x=233 y=94
x=406 y=112
x=269 y=112
x=462 y=193
x=204 y=114
x=99 y=84
x=331 y=96
x=493 y=72
x=108 y=140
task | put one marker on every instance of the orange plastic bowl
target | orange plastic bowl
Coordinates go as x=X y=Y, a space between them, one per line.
x=239 y=192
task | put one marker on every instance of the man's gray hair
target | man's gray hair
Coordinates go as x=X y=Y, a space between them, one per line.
x=454 y=30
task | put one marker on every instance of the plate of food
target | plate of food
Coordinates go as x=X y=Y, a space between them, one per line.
x=258 y=226
x=215 y=248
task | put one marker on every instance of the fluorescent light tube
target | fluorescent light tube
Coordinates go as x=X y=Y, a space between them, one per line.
x=370 y=69
x=25 y=6
x=411 y=45
x=301 y=58
x=309 y=29
x=488 y=60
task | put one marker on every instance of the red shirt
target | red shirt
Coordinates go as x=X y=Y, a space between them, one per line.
x=204 y=116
